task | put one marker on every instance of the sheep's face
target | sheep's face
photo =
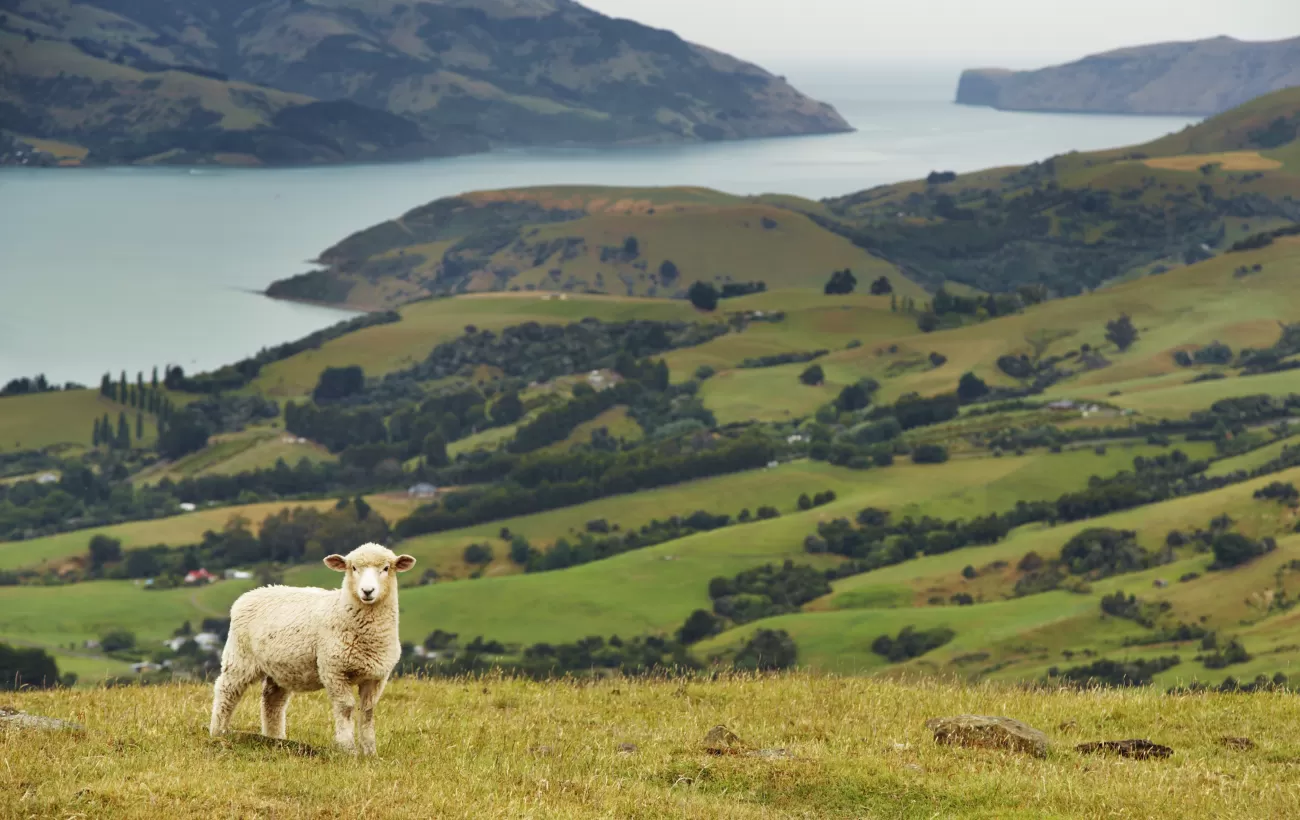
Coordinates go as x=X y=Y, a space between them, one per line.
x=370 y=571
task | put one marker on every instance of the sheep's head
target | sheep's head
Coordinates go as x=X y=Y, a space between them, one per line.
x=370 y=571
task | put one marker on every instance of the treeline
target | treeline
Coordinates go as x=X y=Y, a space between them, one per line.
x=536 y=352
x=947 y=309
x=776 y=359
x=543 y=482
x=875 y=541
x=766 y=650
x=1263 y=239
x=27 y=385
x=556 y=423
x=911 y=643
x=291 y=536
x=81 y=498
x=850 y=433
x=589 y=547
x=239 y=374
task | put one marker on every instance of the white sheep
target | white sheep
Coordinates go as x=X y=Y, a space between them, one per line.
x=299 y=639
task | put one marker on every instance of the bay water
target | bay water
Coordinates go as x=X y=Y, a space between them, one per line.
x=110 y=269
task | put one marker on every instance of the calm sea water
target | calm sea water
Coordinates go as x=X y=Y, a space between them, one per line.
x=128 y=268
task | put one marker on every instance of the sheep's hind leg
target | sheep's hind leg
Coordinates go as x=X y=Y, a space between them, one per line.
x=275 y=703
x=344 y=705
x=369 y=691
x=226 y=693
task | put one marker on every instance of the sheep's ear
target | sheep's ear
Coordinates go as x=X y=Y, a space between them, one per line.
x=336 y=562
x=404 y=562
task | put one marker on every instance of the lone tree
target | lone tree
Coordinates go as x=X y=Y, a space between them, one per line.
x=971 y=387
x=881 y=286
x=703 y=295
x=667 y=271
x=841 y=281
x=1121 y=332
x=813 y=376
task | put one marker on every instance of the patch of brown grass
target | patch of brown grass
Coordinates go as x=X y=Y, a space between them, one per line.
x=1227 y=161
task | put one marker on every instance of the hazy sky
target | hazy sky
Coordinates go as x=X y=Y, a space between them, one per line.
x=1011 y=33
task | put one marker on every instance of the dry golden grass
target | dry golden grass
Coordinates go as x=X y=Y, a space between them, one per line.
x=1227 y=161
x=60 y=150
x=507 y=748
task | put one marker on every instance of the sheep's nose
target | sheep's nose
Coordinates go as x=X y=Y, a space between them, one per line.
x=367 y=591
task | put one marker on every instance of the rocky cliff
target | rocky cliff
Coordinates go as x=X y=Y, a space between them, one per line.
x=1194 y=79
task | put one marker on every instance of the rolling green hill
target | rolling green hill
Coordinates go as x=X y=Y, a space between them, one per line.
x=797 y=476
x=621 y=241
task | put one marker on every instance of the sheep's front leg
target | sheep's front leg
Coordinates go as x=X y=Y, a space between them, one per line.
x=344 y=704
x=369 y=691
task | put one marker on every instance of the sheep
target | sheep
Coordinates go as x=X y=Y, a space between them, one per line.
x=300 y=639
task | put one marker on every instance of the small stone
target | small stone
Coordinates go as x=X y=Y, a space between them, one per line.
x=901 y=747
x=627 y=748
x=1137 y=749
x=722 y=741
x=1241 y=744
x=1068 y=726
x=984 y=732
x=771 y=754
x=541 y=750
x=914 y=767
x=11 y=718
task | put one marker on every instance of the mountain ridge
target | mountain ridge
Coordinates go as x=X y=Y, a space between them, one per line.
x=152 y=81
x=1193 y=78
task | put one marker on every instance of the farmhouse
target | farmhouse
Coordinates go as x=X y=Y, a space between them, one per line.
x=422 y=490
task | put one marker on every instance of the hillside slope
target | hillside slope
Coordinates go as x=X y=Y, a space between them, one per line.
x=1077 y=221
x=1196 y=78
x=622 y=241
x=431 y=78
x=1067 y=224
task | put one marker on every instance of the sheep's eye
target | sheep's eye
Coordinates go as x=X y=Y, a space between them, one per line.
x=385 y=569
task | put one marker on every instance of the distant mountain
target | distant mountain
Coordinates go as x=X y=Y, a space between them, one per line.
x=1194 y=79
x=291 y=81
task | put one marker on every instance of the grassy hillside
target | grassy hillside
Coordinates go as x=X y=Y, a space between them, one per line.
x=1018 y=638
x=496 y=748
x=61 y=418
x=1182 y=310
x=280 y=82
x=384 y=348
x=1080 y=220
x=623 y=241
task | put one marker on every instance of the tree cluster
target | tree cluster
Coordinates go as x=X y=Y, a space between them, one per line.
x=911 y=643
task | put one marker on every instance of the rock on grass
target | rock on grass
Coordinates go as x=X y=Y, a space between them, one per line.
x=985 y=732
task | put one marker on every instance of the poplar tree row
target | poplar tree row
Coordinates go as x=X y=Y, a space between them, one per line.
x=119 y=439
x=148 y=398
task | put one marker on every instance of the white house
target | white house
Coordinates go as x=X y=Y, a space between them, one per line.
x=238 y=575
x=208 y=641
x=422 y=490
x=47 y=478
x=188 y=507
